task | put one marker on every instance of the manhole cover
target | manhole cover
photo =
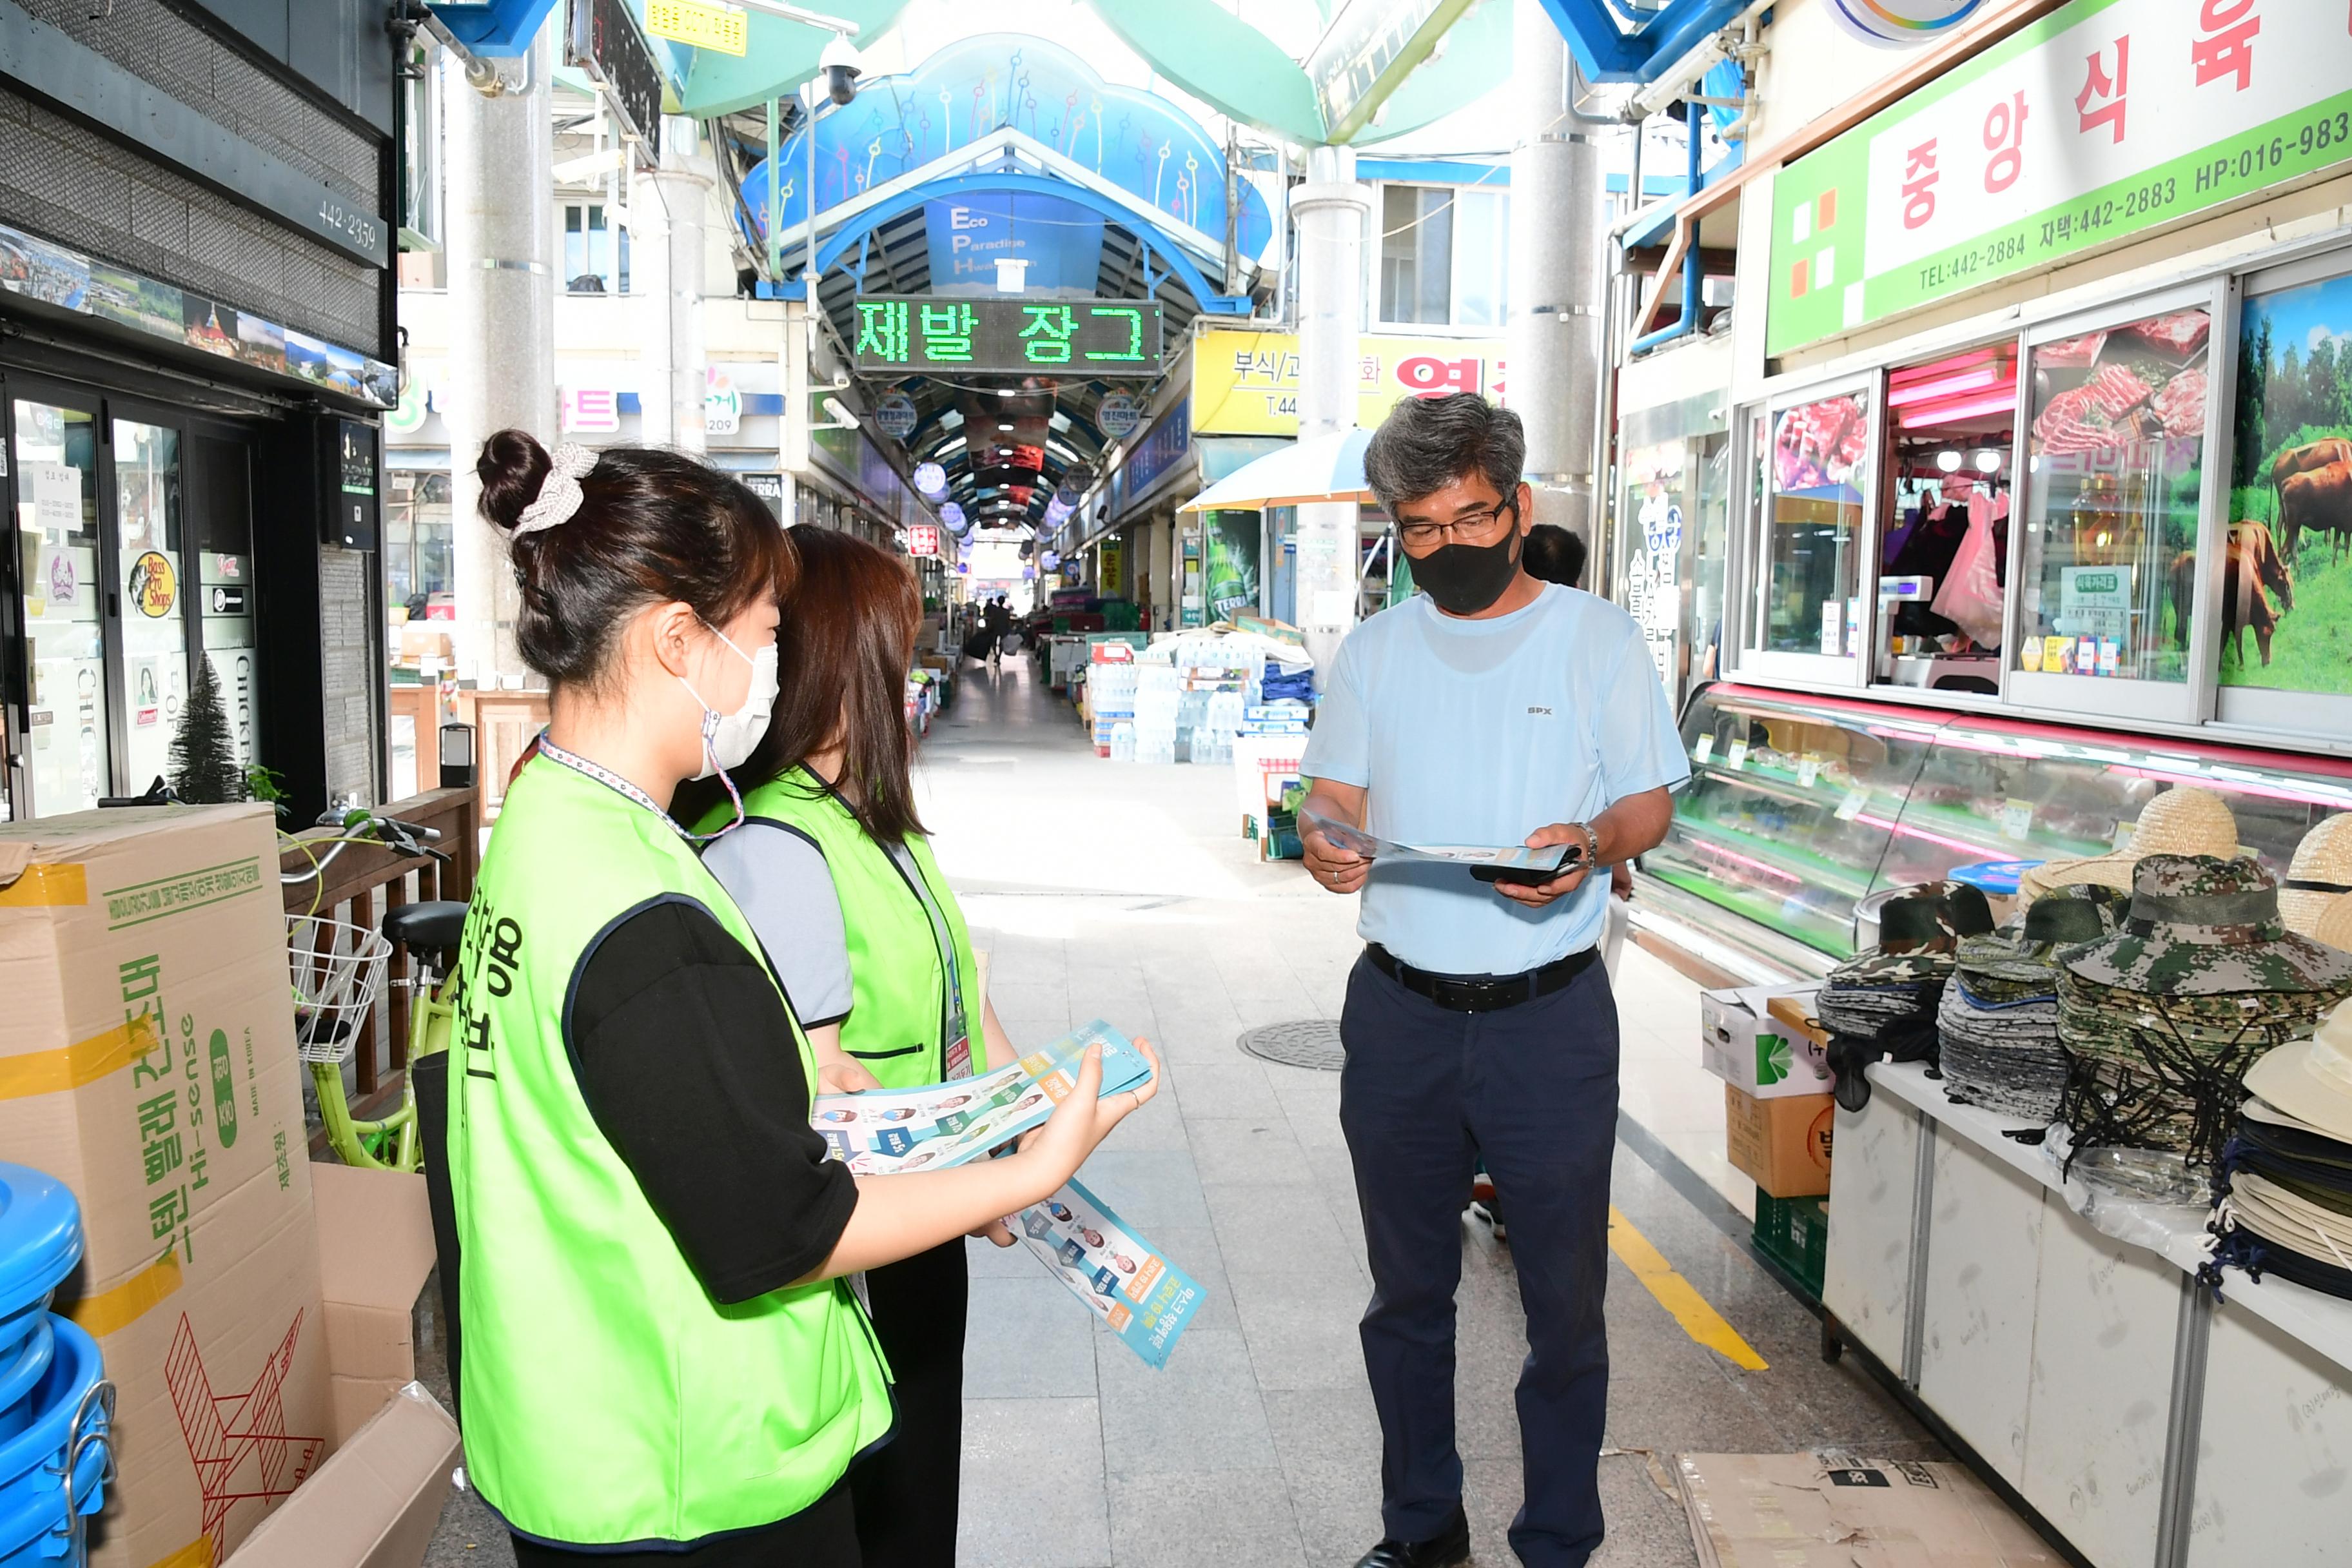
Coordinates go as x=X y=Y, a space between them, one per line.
x=1309 y=1043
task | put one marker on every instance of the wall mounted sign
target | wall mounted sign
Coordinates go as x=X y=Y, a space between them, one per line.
x=1117 y=415
x=894 y=415
x=690 y=22
x=2103 y=121
x=1370 y=47
x=1075 y=337
x=604 y=42
x=1246 y=383
x=1903 y=24
x=722 y=405
x=1060 y=242
x=923 y=538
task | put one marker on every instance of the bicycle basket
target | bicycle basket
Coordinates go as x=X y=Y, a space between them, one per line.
x=338 y=974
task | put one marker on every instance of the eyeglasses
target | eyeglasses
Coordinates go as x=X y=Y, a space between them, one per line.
x=1471 y=528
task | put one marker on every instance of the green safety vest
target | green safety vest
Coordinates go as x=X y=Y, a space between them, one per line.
x=903 y=996
x=607 y=1399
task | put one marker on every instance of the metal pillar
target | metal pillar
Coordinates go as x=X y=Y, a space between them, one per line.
x=1331 y=209
x=501 y=259
x=1553 y=342
x=670 y=248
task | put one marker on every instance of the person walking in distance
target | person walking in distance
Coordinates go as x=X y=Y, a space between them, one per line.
x=1478 y=1024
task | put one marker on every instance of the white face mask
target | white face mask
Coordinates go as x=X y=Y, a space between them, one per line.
x=728 y=739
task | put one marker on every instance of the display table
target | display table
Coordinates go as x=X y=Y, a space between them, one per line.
x=2069 y=1345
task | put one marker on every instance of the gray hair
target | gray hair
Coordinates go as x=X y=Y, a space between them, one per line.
x=1427 y=442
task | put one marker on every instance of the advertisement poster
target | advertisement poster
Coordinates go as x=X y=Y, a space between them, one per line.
x=2286 y=591
x=1123 y=1279
x=1656 y=480
x=1232 y=541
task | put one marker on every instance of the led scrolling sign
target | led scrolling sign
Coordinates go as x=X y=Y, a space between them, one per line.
x=1015 y=336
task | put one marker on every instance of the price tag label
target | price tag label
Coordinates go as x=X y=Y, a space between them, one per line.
x=1736 y=755
x=2017 y=818
x=1704 y=750
x=1851 y=807
x=1808 y=769
x=2123 y=834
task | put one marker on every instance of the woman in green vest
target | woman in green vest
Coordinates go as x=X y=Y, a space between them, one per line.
x=664 y=1362
x=833 y=871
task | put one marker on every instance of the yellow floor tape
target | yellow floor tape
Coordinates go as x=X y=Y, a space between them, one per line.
x=1699 y=1321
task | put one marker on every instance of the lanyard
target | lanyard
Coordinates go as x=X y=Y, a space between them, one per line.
x=955 y=1042
x=607 y=777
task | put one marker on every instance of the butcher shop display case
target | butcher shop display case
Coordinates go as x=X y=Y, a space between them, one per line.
x=1799 y=807
x=1820 y=476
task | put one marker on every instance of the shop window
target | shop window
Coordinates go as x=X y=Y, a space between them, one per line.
x=1815 y=513
x=596 y=254
x=419 y=545
x=1444 y=256
x=1943 y=532
x=1673 y=522
x=2115 y=466
x=69 y=757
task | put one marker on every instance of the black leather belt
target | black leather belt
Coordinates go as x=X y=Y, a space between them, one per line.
x=1481 y=992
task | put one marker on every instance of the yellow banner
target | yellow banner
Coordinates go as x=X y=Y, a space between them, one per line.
x=692 y=22
x=1246 y=383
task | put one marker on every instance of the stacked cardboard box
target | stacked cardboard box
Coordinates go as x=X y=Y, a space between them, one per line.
x=147 y=1060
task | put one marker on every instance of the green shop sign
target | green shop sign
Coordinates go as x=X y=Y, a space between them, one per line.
x=2103 y=121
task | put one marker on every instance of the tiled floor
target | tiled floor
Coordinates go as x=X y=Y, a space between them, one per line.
x=1124 y=893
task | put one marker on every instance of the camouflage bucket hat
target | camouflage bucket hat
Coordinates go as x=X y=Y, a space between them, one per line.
x=2025 y=953
x=1915 y=945
x=2200 y=925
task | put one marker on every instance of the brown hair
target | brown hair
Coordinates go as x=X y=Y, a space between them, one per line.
x=651 y=526
x=843 y=649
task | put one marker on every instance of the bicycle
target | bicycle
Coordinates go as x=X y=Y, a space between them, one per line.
x=338 y=969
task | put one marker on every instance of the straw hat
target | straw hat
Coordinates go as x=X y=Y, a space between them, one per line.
x=2311 y=1079
x=2319 y=879
x=2183 y=820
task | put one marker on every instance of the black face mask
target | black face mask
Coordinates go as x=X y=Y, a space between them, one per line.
x=1465 y=579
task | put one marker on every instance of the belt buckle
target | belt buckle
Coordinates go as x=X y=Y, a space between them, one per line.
x=1458 y=995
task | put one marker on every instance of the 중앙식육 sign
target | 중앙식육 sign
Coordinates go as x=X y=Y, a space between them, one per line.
x=2102 y=120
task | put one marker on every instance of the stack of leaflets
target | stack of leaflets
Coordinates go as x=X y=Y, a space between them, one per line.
x=885 y=1130
x=1515 y=859
x=1123 y=1279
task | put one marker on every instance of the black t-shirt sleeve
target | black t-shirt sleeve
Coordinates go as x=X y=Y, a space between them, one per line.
x=685 y=1056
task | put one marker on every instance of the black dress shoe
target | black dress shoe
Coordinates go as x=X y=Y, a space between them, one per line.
x=1449 y=1548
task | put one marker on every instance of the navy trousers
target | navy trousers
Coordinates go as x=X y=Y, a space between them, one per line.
x=1426 y=1094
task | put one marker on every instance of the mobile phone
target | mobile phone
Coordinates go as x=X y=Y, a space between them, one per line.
x=1564 y=857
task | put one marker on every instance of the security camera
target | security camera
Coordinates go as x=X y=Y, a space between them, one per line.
x=840 y=380
x=840 y=63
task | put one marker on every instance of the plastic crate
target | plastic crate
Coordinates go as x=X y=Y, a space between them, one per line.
x=1795 y=1233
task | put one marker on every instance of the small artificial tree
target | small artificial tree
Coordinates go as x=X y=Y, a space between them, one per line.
x=205 y=769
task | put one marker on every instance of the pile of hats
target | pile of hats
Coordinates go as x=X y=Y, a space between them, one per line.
x=2286 y=1188
x=1882 y=1002
x=2164 y=1017
x=1998 y=1024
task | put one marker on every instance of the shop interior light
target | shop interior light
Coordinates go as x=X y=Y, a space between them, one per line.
x=1949 y=460
x=1004 y=424
x=1976 y=380
x=1998 y=400
x=1987 y=460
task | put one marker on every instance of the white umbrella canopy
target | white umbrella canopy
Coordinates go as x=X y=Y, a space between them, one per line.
x=1319 y=469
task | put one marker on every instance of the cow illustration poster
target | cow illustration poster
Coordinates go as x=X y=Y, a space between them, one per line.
x=2288 y=586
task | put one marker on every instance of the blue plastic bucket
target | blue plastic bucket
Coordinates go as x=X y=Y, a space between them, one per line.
x=40 y=1242
x=1995 y=878
x=54 y=1474
x=20 y=1369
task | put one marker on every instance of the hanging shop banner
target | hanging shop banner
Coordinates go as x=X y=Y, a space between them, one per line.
x=1060 y=241
x=1117 y=414
x=1246 y=383
x=1008 y=335
x=1110 y=567
x=894 y=415
x=2287 y=596
x=2104 y=120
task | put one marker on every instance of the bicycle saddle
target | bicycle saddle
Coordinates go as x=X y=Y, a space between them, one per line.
x=433 y=925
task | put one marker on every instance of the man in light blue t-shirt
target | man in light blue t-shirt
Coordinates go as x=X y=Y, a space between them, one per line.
x=1492 y=709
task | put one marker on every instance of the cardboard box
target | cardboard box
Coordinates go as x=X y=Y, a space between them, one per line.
x=1840 y=1510
x=375 y=1252
x=1783 y=1143
x=424 y=639
x=1752 y=1048
x=376 y=1503
x=147 y=1061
